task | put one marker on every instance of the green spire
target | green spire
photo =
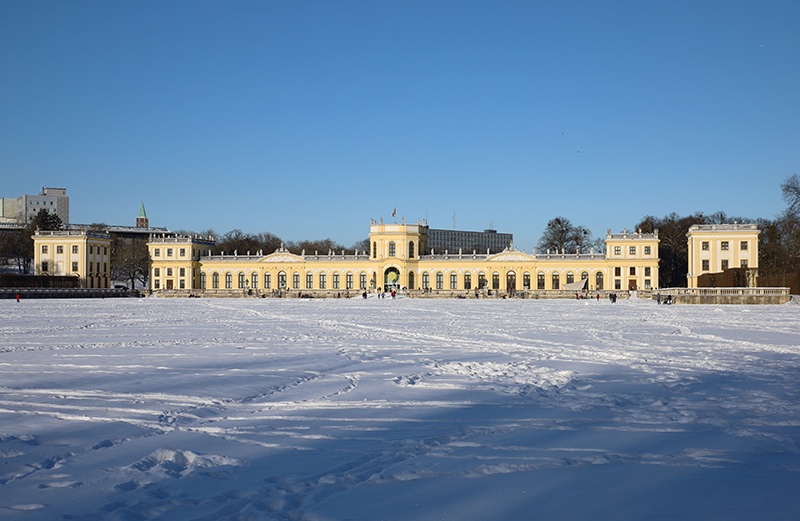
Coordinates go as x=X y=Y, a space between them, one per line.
x=142 y=213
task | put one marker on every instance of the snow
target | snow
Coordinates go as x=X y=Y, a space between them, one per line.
x=397 y=409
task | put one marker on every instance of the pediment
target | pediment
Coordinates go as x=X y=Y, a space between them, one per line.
x=282 y=257
x=510 y=256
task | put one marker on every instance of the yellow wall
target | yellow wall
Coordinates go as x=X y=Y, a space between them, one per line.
x=86 y=255
x=707 y=242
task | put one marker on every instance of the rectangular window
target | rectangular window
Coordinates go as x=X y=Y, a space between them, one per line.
x=335 y=281
x=98 y=268
x=723 y=245
x=157 y=252
x=74 y=266
x=617 y=271
x=349 y=281
x=91 y=250
x=617 y=250
x=183 y=272
x=705 y=265
x=647 y=271
x=105 y=250
x=156 y=284
x=323 y=281
x=105 y=267
x=183 y=252
x=59 y=249
x=362 y=279
x=182 y=284
x=267 y=281
x=75 y=248
x=744 y=263
x=169 y=252
x=724 y=264
x=647 y=250
x=156 y=272
x=646 y=283
x=617 y=284
x=632 y=250
x=45 y=266
x=309 y=280
x=44 y=248
x=704 y=245
x=632 y=271
x=296 y=281
x=743 y=245
x=169 y=272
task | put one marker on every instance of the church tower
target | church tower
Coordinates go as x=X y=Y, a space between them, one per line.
x=141 y=221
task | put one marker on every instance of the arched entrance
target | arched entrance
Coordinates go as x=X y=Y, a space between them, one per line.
x=391 y=279
x=511 y=281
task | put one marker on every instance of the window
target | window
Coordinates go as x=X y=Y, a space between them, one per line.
x=182 y=252
x=705 y=265
x=75 y=248
x=91 y=249
x=632 y=250
x=183 y=272
x=646 y=283
x=309 y=280
x=617 y=271
x=647 y=250
x=323 y=280
x=75 y=266
x=426 y=280
x=632 y=271
x=241 y=280
x=228 y=281
x=45 y=266
x=556 y=284
x=169 y=272
x=156 y=252
x=59 y=249
x=156 y=284
x=723 y=245
x=439 y=280
x=44 y=248
x=540 y=281
x=202 y=281
x=215 y=280
x=724 y=264
x=598 y=280
x=410 y=280
x=254 y=280
x=743 y=245
x=453 y=281
x=374 y=250
x=169 y=252
x=105 y=250
x=349 y=281
x=267 y=280
x=391 y=249
x=467 y=281
x=617 y=250
x=744 y=263
x=335 y=281
x=410 y=249
x=617 y=284
x=362 y=280
x=296 y=280
x=647 y=271
x=481 y=280
x=156 y=271
x=182 y=284
x=570 y=278
x=495 y=280
x=526 y=281
x=704 y=245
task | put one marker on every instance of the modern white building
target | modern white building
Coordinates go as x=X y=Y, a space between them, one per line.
x=24 y=208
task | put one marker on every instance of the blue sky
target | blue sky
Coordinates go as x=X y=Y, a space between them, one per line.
x=306 y=119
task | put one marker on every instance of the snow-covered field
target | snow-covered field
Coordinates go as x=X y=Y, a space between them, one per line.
x=398 y=410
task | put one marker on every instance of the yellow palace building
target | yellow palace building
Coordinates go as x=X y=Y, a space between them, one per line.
x=399 y=260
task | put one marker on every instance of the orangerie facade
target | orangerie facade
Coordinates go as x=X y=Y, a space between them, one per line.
x=183 y=265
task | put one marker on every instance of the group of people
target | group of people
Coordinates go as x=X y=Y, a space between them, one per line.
x=667 y=299
x=381 y=293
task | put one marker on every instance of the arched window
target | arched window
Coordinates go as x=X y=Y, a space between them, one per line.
x=362 y=280
x=467 y=281
x=495 y=280
x=349 y=281
x=282 y=280
x=454 y=280
x=410 y=280
x=228 y=281
x=410 y=249
x=309 y=280
x=254 y=280
x=526 y=281
x=335 y=281
x=296 y=280
x=570 y=277
x=439 y=280
x=241 y=280
x=426 y=280
x=511 y=281
x=202 y=281
x=391 y=249
x=540 y=281
x=556 y=284
x=481 y=280
x=584 y=275
x=598 y=280
x=215 y=280
x=267 y=280
x=323 y=281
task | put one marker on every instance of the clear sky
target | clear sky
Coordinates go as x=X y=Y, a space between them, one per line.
x=306 y=119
